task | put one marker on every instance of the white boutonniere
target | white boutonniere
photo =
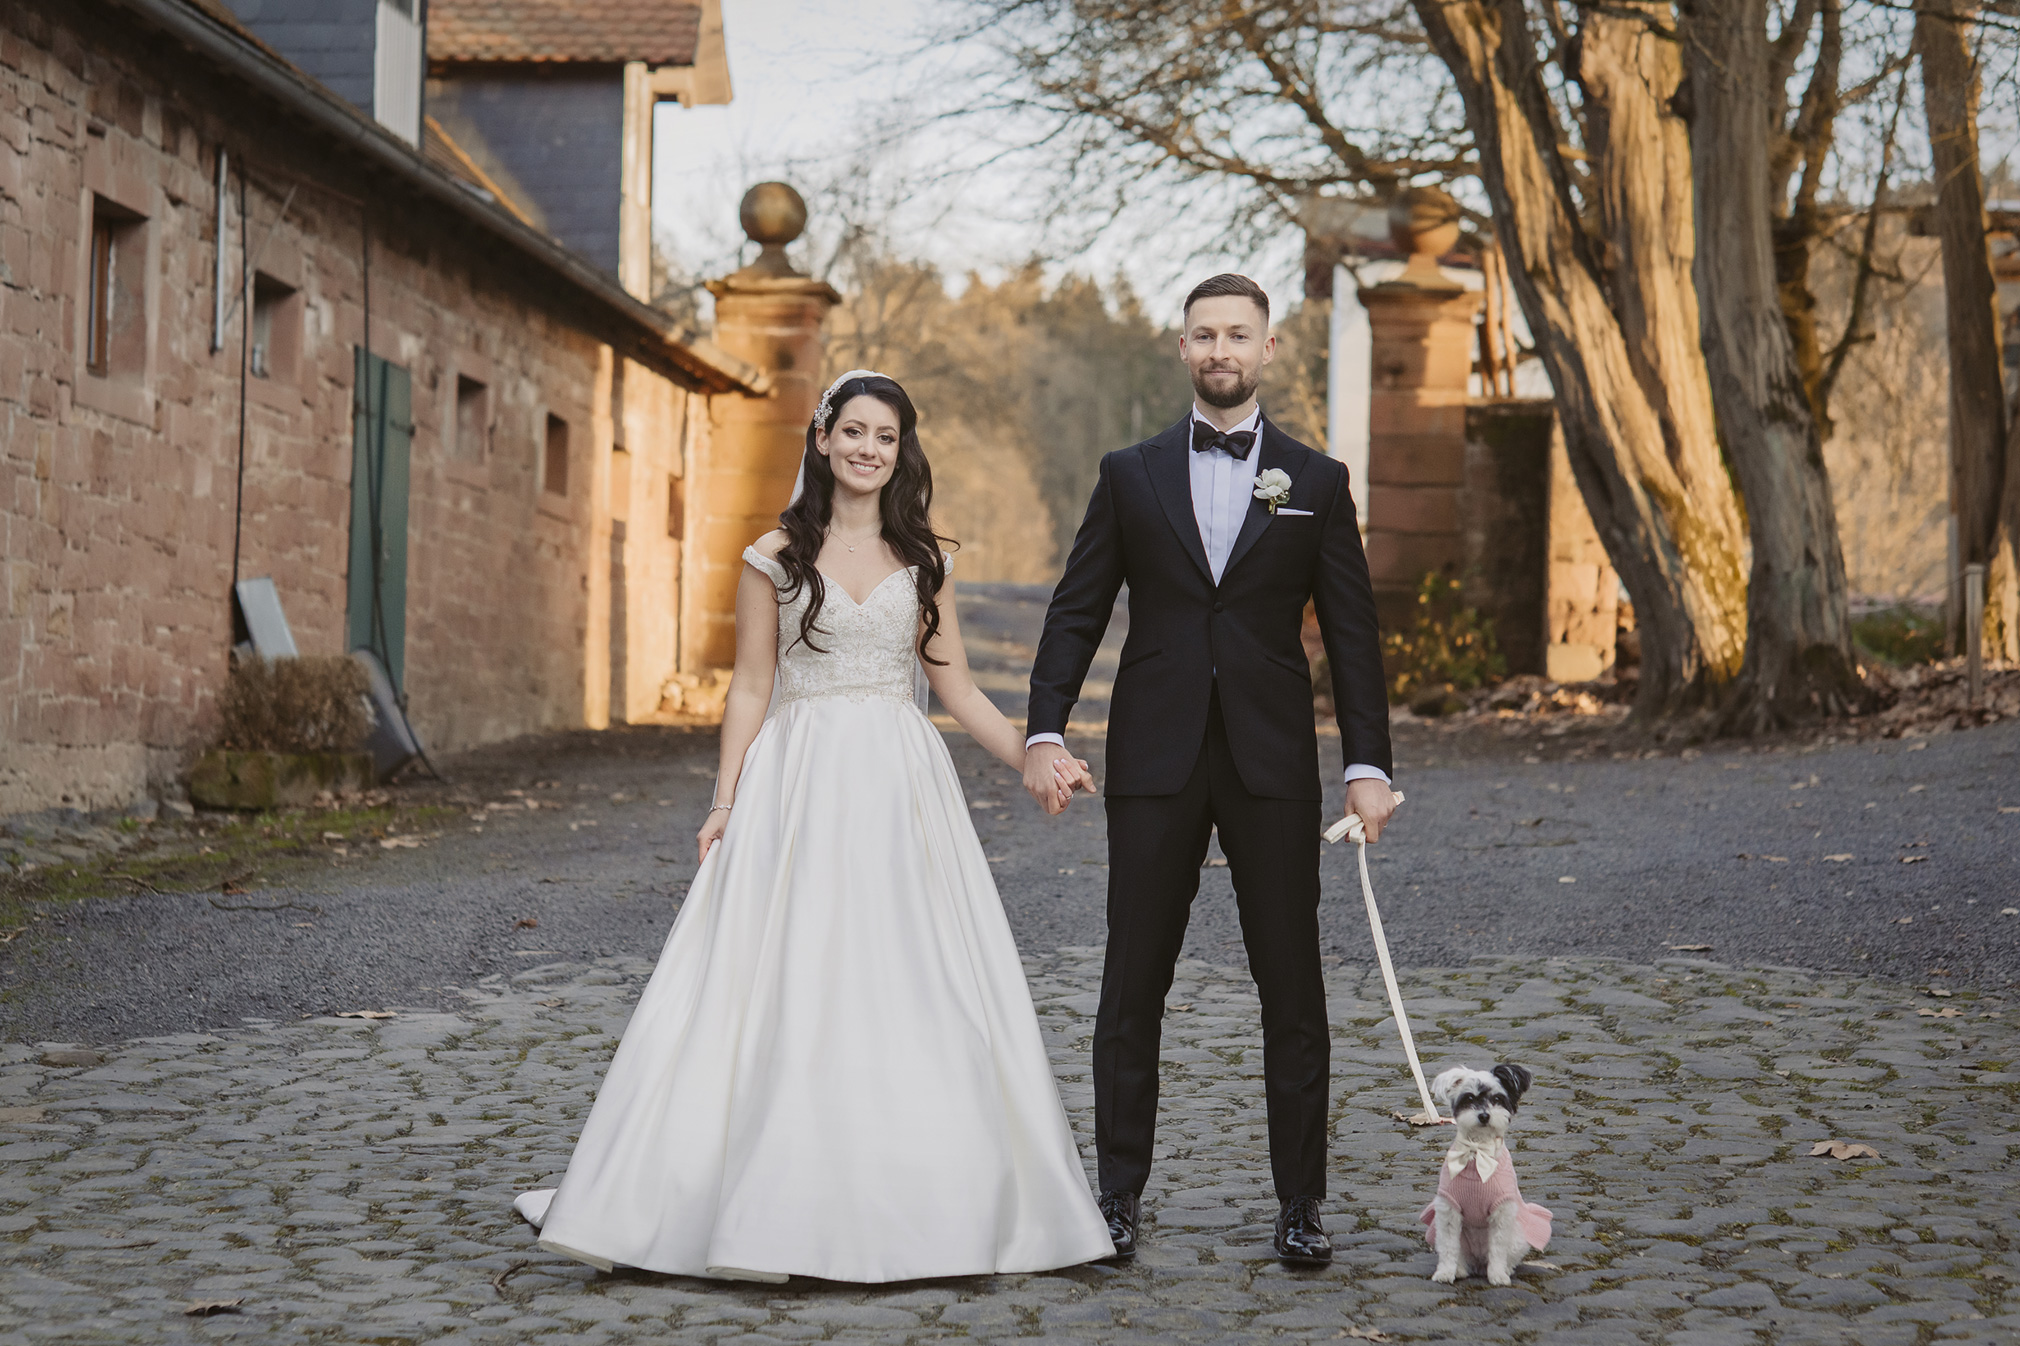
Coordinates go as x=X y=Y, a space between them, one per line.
x=1273 y=487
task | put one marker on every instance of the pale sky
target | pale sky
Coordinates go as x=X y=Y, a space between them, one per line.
x=815 y=81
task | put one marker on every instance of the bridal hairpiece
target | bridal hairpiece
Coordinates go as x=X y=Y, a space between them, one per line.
x=821 y=411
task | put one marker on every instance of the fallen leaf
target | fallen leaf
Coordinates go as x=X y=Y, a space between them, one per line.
x=363 y=1014
x=1917 y=747
x=1947 y=1012
x=1838 y=1149
x=230 y=889
x=1783 y=1073
x=1365 y=1334
x=2009 y=808
x=1566 y=878
x=1916 y=789
x=1186 y=1006
x=1938 y=991
x=526 y=923
x=1904 y=920
x=1913 y=859
x=2009 y=911
x=1838 y=859
x=1776 y=859
x=1419 y=1118
x=553 y=1004
x=335 y=836
x=400 y=844
x=204 y=1308
x=1689 y=948
x=305 y=925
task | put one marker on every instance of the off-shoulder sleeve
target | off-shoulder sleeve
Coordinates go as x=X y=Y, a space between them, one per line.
x=948 y=557
x=771 y=569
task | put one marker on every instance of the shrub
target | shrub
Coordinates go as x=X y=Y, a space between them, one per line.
x=1901 y=635
x=294 y=705
x=1445 y=645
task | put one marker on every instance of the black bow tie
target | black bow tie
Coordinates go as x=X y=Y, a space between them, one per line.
x=1205 y=439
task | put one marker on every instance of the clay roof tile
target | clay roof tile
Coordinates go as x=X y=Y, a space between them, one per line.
x=659 y=32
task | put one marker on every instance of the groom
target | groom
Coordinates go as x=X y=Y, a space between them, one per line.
x=1211 y=726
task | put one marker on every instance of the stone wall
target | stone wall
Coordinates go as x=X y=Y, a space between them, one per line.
x=118 y=514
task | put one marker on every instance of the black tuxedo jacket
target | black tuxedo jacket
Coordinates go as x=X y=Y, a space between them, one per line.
x=1140 y=529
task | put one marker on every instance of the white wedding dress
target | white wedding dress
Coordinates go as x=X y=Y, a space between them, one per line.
x=835 y=1070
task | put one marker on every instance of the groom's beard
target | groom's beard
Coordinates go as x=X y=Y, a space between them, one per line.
x=1226 y=395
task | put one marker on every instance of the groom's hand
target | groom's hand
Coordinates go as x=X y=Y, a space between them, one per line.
x=1374 y=801
x=1044 y=764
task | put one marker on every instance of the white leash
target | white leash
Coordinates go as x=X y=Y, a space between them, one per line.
x=1350 y=827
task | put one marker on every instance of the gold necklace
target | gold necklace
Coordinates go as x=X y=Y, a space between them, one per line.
x=836 y=535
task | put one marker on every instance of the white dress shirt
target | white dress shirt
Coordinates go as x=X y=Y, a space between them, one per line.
x=1222 y=487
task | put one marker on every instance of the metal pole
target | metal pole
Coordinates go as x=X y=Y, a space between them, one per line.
x=223 y=215
x=1974 y=629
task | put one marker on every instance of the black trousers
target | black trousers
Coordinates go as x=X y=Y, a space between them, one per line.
x=1156 y=844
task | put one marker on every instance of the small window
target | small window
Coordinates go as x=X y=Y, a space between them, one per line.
x=473 y=420
x=676 y=509
x=276 y=329
x=98 y=325
x=115 y=313
x=556 y=479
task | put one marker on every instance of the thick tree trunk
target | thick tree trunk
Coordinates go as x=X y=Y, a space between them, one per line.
x=1799 y=653
x=1978 y=428
x=1632 y=392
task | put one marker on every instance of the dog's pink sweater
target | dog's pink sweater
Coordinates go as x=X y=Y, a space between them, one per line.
x=1476 y=1200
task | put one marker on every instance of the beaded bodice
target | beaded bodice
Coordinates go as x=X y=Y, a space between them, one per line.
x=868 y=649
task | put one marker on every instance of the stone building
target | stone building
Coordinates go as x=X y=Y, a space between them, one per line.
x=245 y=316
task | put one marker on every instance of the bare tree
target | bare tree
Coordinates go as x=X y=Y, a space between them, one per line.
x=1979 y=451
x=1799 y=650
x=1614 y=315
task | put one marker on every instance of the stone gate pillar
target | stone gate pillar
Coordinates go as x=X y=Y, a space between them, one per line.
x=770 y=315
x=1421 y=325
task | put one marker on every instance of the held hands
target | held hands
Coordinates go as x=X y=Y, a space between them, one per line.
x=1052 y=774
x=1374 y=801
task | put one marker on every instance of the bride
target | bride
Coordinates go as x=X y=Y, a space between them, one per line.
x=835 y=1070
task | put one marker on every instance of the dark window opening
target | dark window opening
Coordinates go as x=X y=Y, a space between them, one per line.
x=556 y=478
x=98 y=325
x=276 y=322
x=473 y=419
x=115 y=301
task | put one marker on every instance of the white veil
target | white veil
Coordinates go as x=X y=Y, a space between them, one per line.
x=922 y=692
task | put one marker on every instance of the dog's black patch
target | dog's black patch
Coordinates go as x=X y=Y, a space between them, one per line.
x=1515 y=1080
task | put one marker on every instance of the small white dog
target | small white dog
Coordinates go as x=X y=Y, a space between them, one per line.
x=1479 y=1214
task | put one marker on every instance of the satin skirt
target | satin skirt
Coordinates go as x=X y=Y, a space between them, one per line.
x=835 y=1069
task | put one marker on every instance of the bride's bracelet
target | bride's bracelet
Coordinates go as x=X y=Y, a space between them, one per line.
x=720 y=808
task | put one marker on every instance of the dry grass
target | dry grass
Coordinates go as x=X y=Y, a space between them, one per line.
x=310 y=704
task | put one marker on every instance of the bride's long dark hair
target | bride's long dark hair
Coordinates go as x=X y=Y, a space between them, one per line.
x=906 y=506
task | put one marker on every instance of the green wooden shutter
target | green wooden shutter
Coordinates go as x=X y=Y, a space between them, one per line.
x=381 y=437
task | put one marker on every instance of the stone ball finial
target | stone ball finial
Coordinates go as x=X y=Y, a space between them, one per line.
x=1424 y=224
x=1424 y=219
x=772 y=214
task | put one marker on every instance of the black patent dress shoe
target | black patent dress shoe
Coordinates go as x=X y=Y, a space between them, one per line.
x=1301 y=1238
x=1122 y=1211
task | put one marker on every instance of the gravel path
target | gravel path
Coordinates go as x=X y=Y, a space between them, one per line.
x=1897 y=860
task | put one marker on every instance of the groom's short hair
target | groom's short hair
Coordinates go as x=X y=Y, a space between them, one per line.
x=1228 y=283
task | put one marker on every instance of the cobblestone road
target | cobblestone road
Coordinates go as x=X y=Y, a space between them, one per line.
x=350 y=1180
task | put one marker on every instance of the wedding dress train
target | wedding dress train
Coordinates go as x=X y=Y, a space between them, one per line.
x=835 y=1069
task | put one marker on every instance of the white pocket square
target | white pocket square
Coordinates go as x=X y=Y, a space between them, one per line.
x=1300 y=513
